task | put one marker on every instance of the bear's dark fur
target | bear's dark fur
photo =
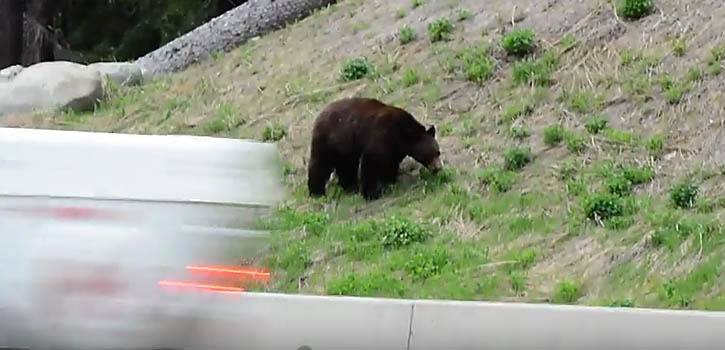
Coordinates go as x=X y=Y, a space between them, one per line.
x=364 y=137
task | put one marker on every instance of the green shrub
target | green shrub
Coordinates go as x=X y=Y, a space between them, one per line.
x=440 y=30
x=519 y=42
x=553 y=134
x=517 y=158
x=399 y=232
x=566 y=292
x=635 y=9
x=684 y=194
x=603 y=206
x=619 y=185
x=375 y=284
x=679 y=47
x=406 y=34
x=464 y=14
x=478 y=66
x=596 y=124
x=356 y=68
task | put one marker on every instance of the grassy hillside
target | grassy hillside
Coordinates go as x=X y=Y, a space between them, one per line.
x=584 y=147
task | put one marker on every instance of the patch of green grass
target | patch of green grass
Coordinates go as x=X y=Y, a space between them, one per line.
x=694 y=74
x=406 y=34
x=623 y=303
x=401 y=13
x=655 y=146
x=524 y=259
x=519 y=133
x=566 y=292
x=410 y=77
x=583 y=101
x=554 y=134
x=463 y=14
x=618 y=185
x=635 y=9
x=673 y=89
x=440 y=30
x=478 y=66
x=684 y=194
x=518 y=281
x=679 y=47
x=517 y=158
x=536 y=71
x=274 y=132
x=596 y=124
x=517 y=109
x=714 y=64
x=435 y=181
x=356 y=68
x=498 y=179
x=417 y=3
x=519 y=42
x=372 y=284
x=683 y=292
x=398 y=232
x=575 y=143
x=620 y=136
x=425 y=263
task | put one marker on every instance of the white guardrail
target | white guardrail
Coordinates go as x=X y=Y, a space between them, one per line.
x=275 y=321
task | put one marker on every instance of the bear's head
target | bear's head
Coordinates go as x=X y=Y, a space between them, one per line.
x=425 y=150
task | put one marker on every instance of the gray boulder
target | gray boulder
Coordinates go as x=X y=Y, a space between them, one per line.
x=122 y=73
x=51 y=85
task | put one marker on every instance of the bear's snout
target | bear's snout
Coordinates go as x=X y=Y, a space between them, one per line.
x=435 y=165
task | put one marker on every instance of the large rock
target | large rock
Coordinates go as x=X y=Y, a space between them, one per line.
x=122 y=73
x=51 y=85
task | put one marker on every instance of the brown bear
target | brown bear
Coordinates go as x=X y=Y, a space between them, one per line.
x=364 y=137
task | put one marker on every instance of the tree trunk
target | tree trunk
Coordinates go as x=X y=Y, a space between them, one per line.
x=11 y=32
x=231 y=29
x=39 y=43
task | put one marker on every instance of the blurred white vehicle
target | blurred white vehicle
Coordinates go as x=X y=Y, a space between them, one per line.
x=117 y=240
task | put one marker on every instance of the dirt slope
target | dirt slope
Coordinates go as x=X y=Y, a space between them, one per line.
x=496 y=233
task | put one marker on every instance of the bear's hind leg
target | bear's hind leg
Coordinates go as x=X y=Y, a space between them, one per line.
x=370 y=177
x=347 y=173
x=318 y=173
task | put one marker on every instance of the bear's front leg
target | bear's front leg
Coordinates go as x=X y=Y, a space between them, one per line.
x=369 y=176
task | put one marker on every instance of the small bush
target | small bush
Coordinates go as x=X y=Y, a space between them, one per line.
x=518 y=281
x=603 y=206
x=638 y=175
x=554 y=134
x=434 y=181
x=524 y=259
x=619 y=185
x=406 y=34
x=624 y=303
x=274 y=132
x=693 y=74
x=517 y=158
x=596 y=124
x=356 y=68
x=684 y=194
x=519 y=42
x=417 y=3
x=426 y=263
x=410 y=77
x=440 y=30
x=399 y=232
x=566 y=292
x=498 y=179
x=635 y=9
x=478 y=66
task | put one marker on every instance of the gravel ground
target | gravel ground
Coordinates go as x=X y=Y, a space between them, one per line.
x=229 y=30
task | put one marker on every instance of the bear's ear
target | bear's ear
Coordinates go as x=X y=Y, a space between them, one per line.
x=431 y=131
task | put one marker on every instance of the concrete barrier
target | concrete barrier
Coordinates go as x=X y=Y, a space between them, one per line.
x=276 y=321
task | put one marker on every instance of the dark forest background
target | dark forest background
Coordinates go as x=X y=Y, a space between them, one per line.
x=86 y=31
